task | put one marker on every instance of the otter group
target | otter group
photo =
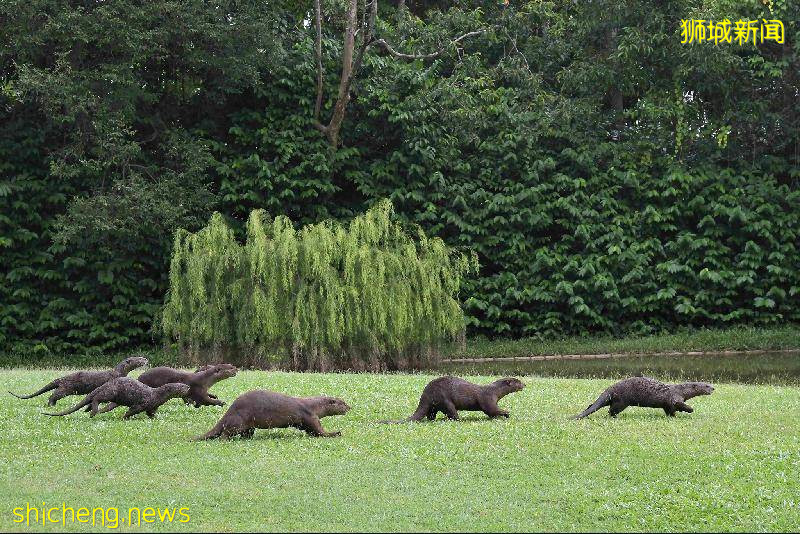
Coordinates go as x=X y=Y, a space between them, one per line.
x=145 y=394
x=266 y=409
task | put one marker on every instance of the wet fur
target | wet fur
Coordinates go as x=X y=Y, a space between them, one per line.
x=647 y=393
x=449 y=394
x=267 y=409
x=125 y=391
x=83 y=382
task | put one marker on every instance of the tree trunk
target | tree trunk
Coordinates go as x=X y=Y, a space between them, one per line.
x=351 y=65
x=332 y=130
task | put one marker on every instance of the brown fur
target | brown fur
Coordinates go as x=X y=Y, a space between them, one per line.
x=83 y=382
x=266 y=409
x=648 y=393
x=129 y=392
x=199 y=382
x=448 y=394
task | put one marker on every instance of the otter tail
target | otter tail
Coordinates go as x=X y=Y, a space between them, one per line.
x=418 y=415
x=603 y=400
x=211 y=434
x=85 y=402
x=48 y=387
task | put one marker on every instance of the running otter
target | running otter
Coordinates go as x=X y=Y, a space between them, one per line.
x=648 y=393
x=266 y=409
x=199 y=381
x=128 y=392
x=449 y=394
x=84 y=382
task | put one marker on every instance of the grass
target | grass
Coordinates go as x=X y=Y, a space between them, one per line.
x=732 y=465
x=738 y=338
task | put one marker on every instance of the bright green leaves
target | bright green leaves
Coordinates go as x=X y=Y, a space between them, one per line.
x=365 y=294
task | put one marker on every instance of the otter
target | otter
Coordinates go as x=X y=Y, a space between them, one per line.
x=83 y=382
x=267 y=409
x=448 y=394
x=648 y=393
x=198 y=382
x=128 y=392
x=203 y=368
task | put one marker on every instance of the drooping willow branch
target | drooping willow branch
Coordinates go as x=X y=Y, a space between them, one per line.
x=328 y=295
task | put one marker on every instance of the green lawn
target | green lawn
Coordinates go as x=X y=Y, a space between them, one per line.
x=731 y=465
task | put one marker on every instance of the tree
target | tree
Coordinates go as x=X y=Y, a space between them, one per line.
x=365 y=295
x=352 y=59
x=118 y=101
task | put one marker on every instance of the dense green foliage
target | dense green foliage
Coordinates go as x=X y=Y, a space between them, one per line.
x=99 y=137
x=610 y=178
x=537 y=471
x=367 y=295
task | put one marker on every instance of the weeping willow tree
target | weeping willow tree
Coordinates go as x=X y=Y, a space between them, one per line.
x=362 y=295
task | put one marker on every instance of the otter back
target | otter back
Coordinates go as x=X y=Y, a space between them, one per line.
x=647 y=393
x=267 y=409
x=449 y=394
x=199 y=381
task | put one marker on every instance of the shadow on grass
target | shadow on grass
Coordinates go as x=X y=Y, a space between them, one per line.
x=440 y=419
x=644 y=416
x=267 y=435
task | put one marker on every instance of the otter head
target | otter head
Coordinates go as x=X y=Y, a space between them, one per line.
x=211 y=374
x=700 y=388
x=129 y=364
x=687 y=390
x=510 y=385
x=225 y=370
x=175 y=389
x=334 y=406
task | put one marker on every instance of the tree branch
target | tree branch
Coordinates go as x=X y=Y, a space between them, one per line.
x=369 y=33
x=343 y=97
x=513 y=42
x=386 y=46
